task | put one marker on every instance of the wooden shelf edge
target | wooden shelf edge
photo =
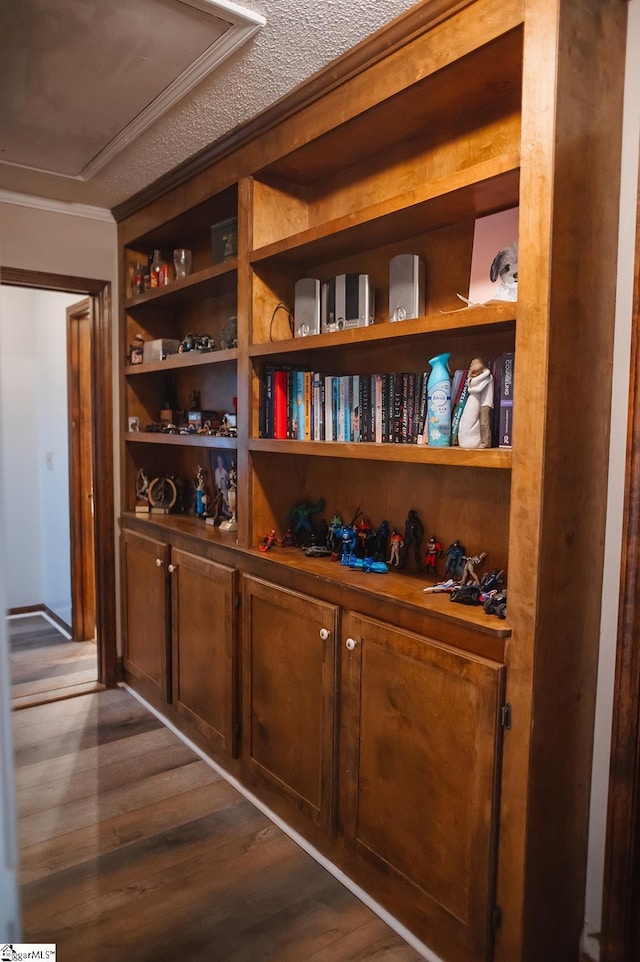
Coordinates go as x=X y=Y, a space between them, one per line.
x=491 y=315
x=175 y=362
x=181 y=440
x=492 y=458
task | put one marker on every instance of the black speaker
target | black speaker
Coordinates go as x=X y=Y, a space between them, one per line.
x=306 y=310
x=407 y=278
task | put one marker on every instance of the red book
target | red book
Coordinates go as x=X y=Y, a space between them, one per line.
x=280 y=412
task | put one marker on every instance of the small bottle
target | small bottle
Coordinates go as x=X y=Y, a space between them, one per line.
x=155 y=269
x=439 y=402
x=137 y=284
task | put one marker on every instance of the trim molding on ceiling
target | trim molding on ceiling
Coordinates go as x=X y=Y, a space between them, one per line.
x=56 y=206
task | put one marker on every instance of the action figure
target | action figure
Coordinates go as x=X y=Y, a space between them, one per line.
x=434 y=551
x=455 y=555
x=268 y=541
x=381 y=541
x=396 y=543
x=471 y=562
x=300 y=520
x=413 y=538
x=364 y=537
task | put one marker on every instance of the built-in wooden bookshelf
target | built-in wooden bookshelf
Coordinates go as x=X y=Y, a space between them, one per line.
x=456 y=111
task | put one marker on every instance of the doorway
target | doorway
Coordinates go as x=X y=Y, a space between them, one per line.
x=91 y=459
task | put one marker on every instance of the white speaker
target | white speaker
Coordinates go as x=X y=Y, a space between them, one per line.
x=347 y=302
x=306 y=310
x=407 y=280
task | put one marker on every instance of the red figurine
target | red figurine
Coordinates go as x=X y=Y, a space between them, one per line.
x=434 y=552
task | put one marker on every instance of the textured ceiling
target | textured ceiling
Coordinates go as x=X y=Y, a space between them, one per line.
x=300 y=37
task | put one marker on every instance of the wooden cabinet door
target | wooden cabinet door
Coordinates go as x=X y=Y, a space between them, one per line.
x=146 y=615
x=419 y=767
x=289 y=696
x=203 y=640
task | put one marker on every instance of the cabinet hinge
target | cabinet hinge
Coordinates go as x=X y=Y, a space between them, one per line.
x=496 y=917
x=505 y=715
x=238 y=600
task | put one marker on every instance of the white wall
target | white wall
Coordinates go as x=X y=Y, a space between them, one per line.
x=617 y=465
x=34 y=448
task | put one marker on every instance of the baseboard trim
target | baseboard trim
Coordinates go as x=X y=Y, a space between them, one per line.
x=332 y=869
x=43 y=610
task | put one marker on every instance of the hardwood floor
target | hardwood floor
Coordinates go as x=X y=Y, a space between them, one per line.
x=133 y=848
x=45 y=664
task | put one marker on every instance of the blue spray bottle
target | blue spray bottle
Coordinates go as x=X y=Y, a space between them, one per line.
x=439 y=402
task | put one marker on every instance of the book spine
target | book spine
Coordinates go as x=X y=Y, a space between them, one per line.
x=409 y=418
x=280 y=406
x=306 y=375
x=365 y=410
x=377 y=401
x=457 y=412
x=354 y=394
x=507 y=370
x=267 y=405
x=422 y=408
x=328 y=408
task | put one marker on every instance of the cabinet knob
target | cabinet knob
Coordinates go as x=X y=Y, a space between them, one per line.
x=351 y=644
x=324 y=633
x=172 y=568
x=159 y=562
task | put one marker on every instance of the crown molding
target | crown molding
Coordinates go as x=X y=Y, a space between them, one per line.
x=56 y=206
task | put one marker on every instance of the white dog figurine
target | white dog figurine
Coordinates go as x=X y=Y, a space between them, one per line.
x=505 y=269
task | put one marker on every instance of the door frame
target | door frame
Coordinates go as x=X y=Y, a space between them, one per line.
x=81 y=471
x=104 y=504
x=621 y=895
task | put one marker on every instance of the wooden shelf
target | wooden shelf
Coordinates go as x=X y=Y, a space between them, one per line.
x=192 y=288
x=181 y=440
x=495 y=315
x=175 y=362
x=496 y=458
x=481 y=189
x=399 y=586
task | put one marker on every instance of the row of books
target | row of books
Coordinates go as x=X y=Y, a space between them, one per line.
x=304 y=405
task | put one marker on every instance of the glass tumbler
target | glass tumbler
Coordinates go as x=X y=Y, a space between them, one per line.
x=182 y=262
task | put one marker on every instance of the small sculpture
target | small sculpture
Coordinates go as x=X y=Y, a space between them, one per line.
x=142 y=493
x=231 y=524
x=434 y=552
x=202 y=498
x=413 y=538
x=474 y=429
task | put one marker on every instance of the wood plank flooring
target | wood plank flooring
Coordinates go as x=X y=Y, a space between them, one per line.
x=133 y=848
x=45 y=664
